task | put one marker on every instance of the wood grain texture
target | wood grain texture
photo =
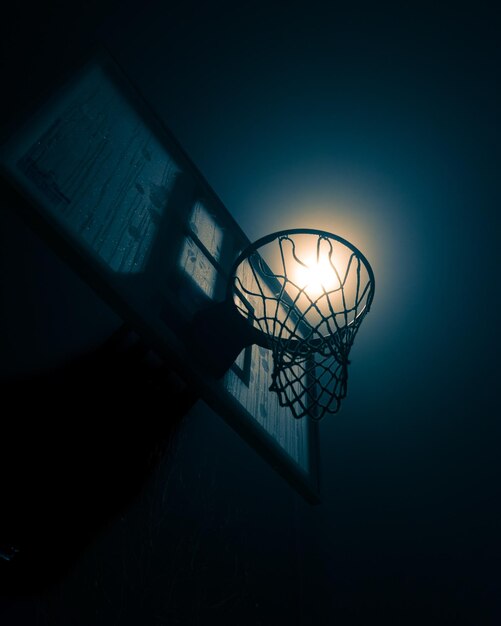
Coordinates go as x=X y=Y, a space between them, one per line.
x=113 y=192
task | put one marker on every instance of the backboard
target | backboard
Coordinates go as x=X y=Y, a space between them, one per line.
x=112 y=191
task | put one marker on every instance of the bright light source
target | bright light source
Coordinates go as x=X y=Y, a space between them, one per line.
x=316 y=276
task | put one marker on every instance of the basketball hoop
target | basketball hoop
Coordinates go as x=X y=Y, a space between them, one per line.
x=305 y=293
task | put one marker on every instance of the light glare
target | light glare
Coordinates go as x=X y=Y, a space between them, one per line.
x=316 y=276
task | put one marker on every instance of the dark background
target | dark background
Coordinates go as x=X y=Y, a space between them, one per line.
x=379 y=123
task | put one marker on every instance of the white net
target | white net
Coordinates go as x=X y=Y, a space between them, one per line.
x=307 y=292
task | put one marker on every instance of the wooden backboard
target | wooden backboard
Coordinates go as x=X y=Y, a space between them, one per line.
x=111 y=190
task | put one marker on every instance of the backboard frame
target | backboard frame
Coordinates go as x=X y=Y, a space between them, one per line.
x=168 y=343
